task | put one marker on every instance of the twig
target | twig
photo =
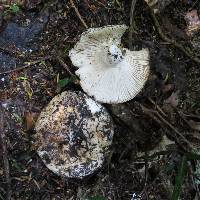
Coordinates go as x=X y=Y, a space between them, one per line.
x=78 y=14
x=5 y=155
x=157 y=106
x=194 y=4
x=183 y=118
x=101 y=3
x=175 y=130
x=147 y=111
x=64 y=65
x=25 y=66
x=187 y=52
x=191 y=115
x=131 y=23
x=146 y=178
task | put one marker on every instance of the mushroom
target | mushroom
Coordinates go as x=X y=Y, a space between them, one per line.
x=73 y=135
x=108 y=72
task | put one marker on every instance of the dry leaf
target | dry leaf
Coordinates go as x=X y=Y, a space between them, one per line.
x=173 y=99
x=167 y=88
x=164 y=145
x=193 y=22
x=30 y=118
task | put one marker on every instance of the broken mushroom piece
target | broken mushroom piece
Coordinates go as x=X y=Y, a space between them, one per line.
x=73 y=135
x=108 y=72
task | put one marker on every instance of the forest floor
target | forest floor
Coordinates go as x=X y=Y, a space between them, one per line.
x=155 y=152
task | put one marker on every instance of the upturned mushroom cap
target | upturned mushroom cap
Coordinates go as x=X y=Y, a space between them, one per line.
x=107 y=72
x=73 y=135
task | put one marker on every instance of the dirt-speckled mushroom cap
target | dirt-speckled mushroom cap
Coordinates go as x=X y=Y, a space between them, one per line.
x=90 y=50
x=107 y=72
x=73 y=135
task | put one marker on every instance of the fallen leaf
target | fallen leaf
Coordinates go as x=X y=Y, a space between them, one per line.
x=193 y=22
x=30 y=119
x=164 y=145
x=167 y=88
x=173 y=99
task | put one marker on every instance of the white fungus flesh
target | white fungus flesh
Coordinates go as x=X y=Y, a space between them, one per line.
x=108 y=72
x=73 y=135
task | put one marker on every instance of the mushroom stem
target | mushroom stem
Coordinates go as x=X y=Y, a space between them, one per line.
x=115 y=54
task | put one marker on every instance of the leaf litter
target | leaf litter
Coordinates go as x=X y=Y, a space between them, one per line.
x=140 y=124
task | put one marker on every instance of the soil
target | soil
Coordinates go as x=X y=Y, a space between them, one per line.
x=153 y=132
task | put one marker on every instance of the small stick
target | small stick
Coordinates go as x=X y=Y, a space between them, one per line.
x=187 y=51
x=78 y=14
x=25 y=66
x=183 y=118
x=146 y=110
x=191 y=115
x=144 y=190
x=157 y=106
x=65 y=66
x=5 y=155
x=102 y=4
x=131 y=23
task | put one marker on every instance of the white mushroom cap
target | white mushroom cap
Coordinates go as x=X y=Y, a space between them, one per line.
x=73 y=135
x=107 y=72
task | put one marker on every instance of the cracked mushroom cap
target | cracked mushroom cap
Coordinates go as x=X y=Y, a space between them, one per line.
x=73 y=135
x=108 y=72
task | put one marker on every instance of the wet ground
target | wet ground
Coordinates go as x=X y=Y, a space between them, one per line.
x=154 y=132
